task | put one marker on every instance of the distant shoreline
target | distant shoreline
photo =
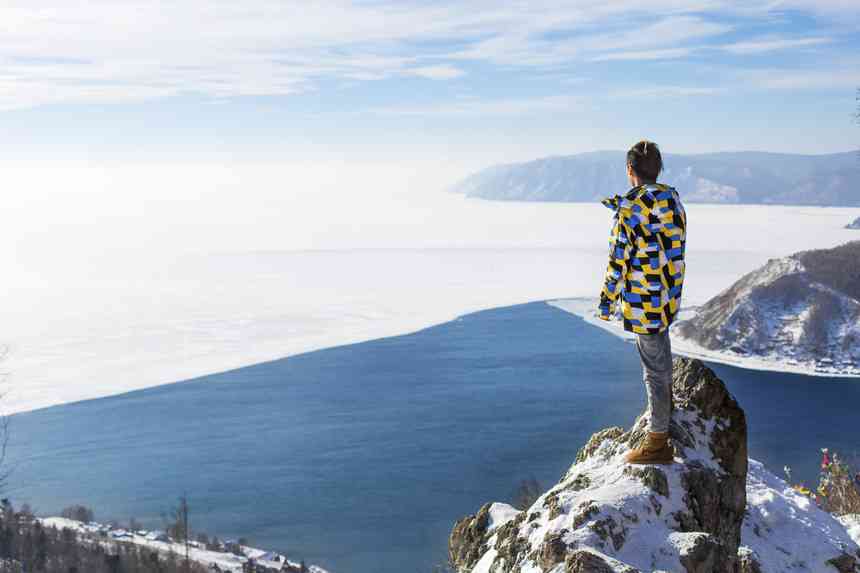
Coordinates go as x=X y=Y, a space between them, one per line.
x=582 y=307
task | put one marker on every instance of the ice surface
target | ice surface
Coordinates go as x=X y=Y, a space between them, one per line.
x=85 y=319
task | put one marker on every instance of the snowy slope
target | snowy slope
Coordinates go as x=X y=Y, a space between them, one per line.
x=785 y=531
x=800 y=310
x=227 y=562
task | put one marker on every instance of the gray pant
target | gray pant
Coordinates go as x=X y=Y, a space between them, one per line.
x=655 y=351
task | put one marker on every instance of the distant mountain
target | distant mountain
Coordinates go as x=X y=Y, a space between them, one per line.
x=803 y=310
x=855 y=224
x=728 y=177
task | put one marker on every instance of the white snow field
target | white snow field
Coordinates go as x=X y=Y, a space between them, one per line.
x=137 y=291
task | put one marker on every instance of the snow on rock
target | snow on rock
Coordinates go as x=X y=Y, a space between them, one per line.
x=852 y=525
x=802 y=310
x=607 y=516
x=785 y=531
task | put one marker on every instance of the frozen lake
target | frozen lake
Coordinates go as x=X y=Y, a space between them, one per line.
x=121 y=303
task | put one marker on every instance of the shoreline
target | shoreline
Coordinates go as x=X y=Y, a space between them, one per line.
x=578 y=306
x=583 y=307
x=227 y=561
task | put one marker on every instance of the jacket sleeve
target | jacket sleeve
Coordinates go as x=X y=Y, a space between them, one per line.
x=621 y=246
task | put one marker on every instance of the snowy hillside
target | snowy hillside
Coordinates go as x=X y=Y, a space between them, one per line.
x=802 y=310
x=713 y=510
x=737 y=177
x=224 y=561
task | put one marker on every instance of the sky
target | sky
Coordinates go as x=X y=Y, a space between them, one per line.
x=461 y=83
x=127 y=124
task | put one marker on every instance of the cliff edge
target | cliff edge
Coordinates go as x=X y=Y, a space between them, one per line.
x=605 y=516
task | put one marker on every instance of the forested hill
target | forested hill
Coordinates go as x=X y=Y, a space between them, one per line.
x=727 y=177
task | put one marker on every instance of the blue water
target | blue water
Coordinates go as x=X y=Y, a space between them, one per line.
x=360 y=458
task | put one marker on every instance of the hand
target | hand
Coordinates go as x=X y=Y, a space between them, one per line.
x=604 y=309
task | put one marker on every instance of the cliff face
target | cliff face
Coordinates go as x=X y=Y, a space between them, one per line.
x=803 y=309
x=607 y=516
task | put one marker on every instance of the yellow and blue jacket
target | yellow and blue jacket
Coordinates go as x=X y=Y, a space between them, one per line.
x=646 y=258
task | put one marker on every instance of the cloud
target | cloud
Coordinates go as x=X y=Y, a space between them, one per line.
x=537 y=47
x=802 y=79
x=72 y=51
x=441 y=72
x=666 y=54
x=665 y=92
x=771 y=44
x=478 y=107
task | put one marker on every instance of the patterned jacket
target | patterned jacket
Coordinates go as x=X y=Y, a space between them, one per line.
x=646 y=258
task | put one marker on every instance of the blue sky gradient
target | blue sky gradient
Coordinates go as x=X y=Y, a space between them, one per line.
x=470 y=82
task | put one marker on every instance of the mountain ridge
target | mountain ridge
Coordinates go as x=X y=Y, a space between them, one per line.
x=741 y=177
x=803 y=309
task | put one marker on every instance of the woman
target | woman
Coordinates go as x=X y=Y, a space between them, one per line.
x=646 y=272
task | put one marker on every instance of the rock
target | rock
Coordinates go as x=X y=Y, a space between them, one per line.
x=588 y=561
x=605 y=515
x=596 y=440
x=713 y=511
x=699 y=552
x=748 y=562
x=466 y=542
x=844 y=563
x=652 y=476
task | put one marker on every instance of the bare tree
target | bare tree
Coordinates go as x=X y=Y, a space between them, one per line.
x=181 y=513
x=4 y=427
x=526 y=493
x=78 y=512
x=176 y=524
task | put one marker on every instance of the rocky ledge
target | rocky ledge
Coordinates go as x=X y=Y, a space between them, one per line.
x=606 y=516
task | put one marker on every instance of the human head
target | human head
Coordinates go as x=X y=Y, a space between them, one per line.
x=644 y=163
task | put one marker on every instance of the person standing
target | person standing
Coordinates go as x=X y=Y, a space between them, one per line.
x=646 y=275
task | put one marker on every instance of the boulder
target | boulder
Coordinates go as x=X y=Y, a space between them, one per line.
x=713 y=511
x=606 y=515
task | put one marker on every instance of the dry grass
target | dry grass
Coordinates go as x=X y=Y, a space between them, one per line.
x=838 y=490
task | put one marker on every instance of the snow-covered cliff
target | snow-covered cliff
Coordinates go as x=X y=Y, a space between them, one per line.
x=801 y=311
x=712 y=511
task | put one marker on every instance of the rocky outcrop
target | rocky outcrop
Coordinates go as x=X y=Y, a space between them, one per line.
x=855 y=224
x=802 y=310
x=607 y=516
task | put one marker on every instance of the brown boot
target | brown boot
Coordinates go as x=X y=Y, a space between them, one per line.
x=654 y=449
